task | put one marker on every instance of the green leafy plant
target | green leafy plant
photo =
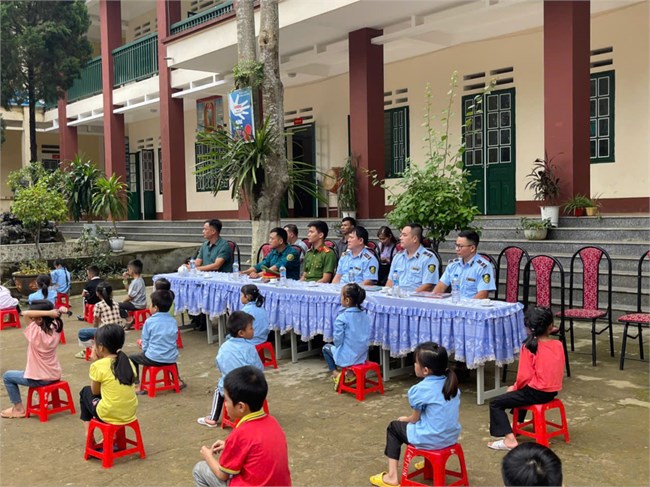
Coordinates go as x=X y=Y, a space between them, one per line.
x=33 y=172
x=81 y=177
x=37 y=204
x=347 y=190
x=534 y=224
x=248 y=74
x=578 y=202
x=109 y=199
x=33 y=267
x=543 y=181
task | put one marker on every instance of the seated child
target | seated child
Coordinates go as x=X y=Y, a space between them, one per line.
x=43 y=335
x=235 y=352
x=255 y=452
x=110 y=397
x=435 y=400
x=7 y=301
x=45 y=291
x=163 y=284
x=351 y=332
x=531 y=464
x=106 y=312
x=137 y=295
x=89 y=294
x=60 y=277
x=253 y=303
x=159 y=335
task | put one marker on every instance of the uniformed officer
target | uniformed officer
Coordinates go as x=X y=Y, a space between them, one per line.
x=358 y=258
x=416 y=266
x=320 y=260
x=281 y=254
x=475 y=274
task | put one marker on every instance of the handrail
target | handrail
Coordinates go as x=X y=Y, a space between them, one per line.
x=89 y=82
x=136 y=60
x=220 y=10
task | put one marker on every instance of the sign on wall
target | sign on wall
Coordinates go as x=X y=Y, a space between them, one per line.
x=209 y=113
x=240 y=107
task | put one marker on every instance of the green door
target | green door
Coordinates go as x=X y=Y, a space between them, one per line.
x=490 y=151
x=148 y=185
x=301 y=147
x=133 y=182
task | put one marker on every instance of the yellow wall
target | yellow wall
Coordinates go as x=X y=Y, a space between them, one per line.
x=10 y=160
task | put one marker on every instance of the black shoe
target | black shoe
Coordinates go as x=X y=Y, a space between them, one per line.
x=81 y=318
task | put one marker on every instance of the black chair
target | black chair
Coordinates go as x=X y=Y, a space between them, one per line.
x=639 y=319
x=234 y=248
x=263 y=251
x=513 y=257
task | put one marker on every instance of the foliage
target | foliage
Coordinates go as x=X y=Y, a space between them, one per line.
x=43 y=48
x=33 y=267
x=248 y=74
x=98 y=252
x=81 y=178
x=534 y=223
x=33 y=172
x=543 y=181
x=438 y=195
x=347 y=190
x=37 y=204
x=579 y=201
x=109 y=199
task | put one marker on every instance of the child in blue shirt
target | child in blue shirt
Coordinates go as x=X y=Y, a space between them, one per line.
x=159 y=335
x=351 y=332
x=253 y=303
x=433 y=424
x=60 y=277
x=236 y=352
x=45 y=291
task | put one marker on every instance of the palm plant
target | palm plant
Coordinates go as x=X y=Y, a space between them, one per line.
x=80 y=185
x=347 y=190
x=109 y=199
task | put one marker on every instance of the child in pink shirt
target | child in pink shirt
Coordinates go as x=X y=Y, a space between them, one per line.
x=539 y=377
x=43 y=335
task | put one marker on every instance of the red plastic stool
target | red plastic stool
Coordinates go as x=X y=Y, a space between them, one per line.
x=49 y=401
x=226 y=422
x=149 y=381
x=89 y=313
x=62 y=340
x=435 y=466
x=62 y=299
x=540 y=425
x=139 y=317
x=179 y=340
x=115 y=444
x=361 y=385
x=267 y=362
x=13 y=318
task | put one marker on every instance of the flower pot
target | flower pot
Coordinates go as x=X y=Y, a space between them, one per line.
x=552 y=213
x=592 y=211
x=116 y=243
x=579 y=212
x=536 y=233
x=25 y=283
x=351 y=214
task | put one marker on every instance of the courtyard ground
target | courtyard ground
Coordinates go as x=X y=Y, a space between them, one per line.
x=333 y=439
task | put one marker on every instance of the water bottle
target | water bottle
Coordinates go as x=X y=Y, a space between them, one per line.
x=283 y=276
x=192 y=266
x=395 y=284
x=235 y=270
x=455 y=290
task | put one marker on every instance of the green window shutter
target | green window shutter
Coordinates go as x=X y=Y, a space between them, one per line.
x=601 y=117
x=396 y=141
x=205 y=181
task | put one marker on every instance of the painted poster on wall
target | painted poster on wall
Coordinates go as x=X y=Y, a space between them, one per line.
x=209 y=113
x=240 y=107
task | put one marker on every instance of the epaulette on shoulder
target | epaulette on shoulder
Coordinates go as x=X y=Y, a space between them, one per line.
x=481 y=262
x=367 y=255
x=428 y=253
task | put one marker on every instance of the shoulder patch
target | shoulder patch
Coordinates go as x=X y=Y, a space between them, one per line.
x=290 y=257
x=486 y=278
x=481 y=262
x=432 y=268
x=373 y=269
x=428 y=253
x=367 y=255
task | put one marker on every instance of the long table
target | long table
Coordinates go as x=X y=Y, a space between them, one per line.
x=474 y=333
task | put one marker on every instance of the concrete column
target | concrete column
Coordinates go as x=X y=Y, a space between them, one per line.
x=68 y=141
x=110 y=20
x=172 y=127
x=566 y=92
x=367 y=118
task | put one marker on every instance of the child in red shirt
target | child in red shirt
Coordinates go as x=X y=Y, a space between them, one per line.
x=539 y=378
x=255 y=452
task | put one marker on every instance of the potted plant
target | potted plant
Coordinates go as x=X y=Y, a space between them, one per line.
x=593 y=207
x=109 y=200
x=81 y=178
x=577 y=205
x=535 y=229
x=347 y=190
x=546 y=187
x=28 y=271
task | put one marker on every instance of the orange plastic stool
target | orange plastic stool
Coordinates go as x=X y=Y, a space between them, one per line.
x=540 y=431
x=266 y=361
x=13 y=318
x=226 y=422
x=62 y=299
x=435 y=466
x=49 y=401
x=115 y=444
x=89 y=313
x=149 y=381
x=361 y=385
x=62 y=340
x=179 y=340
x=139 y=317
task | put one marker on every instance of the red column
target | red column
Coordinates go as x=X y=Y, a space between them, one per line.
x=68 y=142
x=110 y=20
x=172 y=139
x=566 y=92
x=367 y=118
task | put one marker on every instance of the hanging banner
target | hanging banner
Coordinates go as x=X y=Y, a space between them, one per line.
x=209 y=113
x=240 y=107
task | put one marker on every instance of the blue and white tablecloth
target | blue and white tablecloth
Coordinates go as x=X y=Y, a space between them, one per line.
x=474 y=333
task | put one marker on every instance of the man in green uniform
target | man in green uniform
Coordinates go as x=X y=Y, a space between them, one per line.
x=320 y=260
x=281 y=254
x=215 y=253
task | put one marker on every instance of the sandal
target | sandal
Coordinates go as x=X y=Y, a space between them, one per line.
x=202 y=421
x=499 y=445
x=10 y=413
x=378 y=480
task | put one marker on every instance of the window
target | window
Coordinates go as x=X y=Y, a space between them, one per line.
x=601 y=117
x=205 y=181
x=396 y=141
x=159 y=170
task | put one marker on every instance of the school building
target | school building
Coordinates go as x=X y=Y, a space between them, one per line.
x=571 y=79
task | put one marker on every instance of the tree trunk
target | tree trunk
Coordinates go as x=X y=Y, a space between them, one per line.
x=245 y=30
x=31 y=100
x=37 y=241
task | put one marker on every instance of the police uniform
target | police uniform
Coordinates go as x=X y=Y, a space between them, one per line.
x=318 y=262
x=365 y=266
x=289 y=258
x=477 y=275
x=421 y=268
